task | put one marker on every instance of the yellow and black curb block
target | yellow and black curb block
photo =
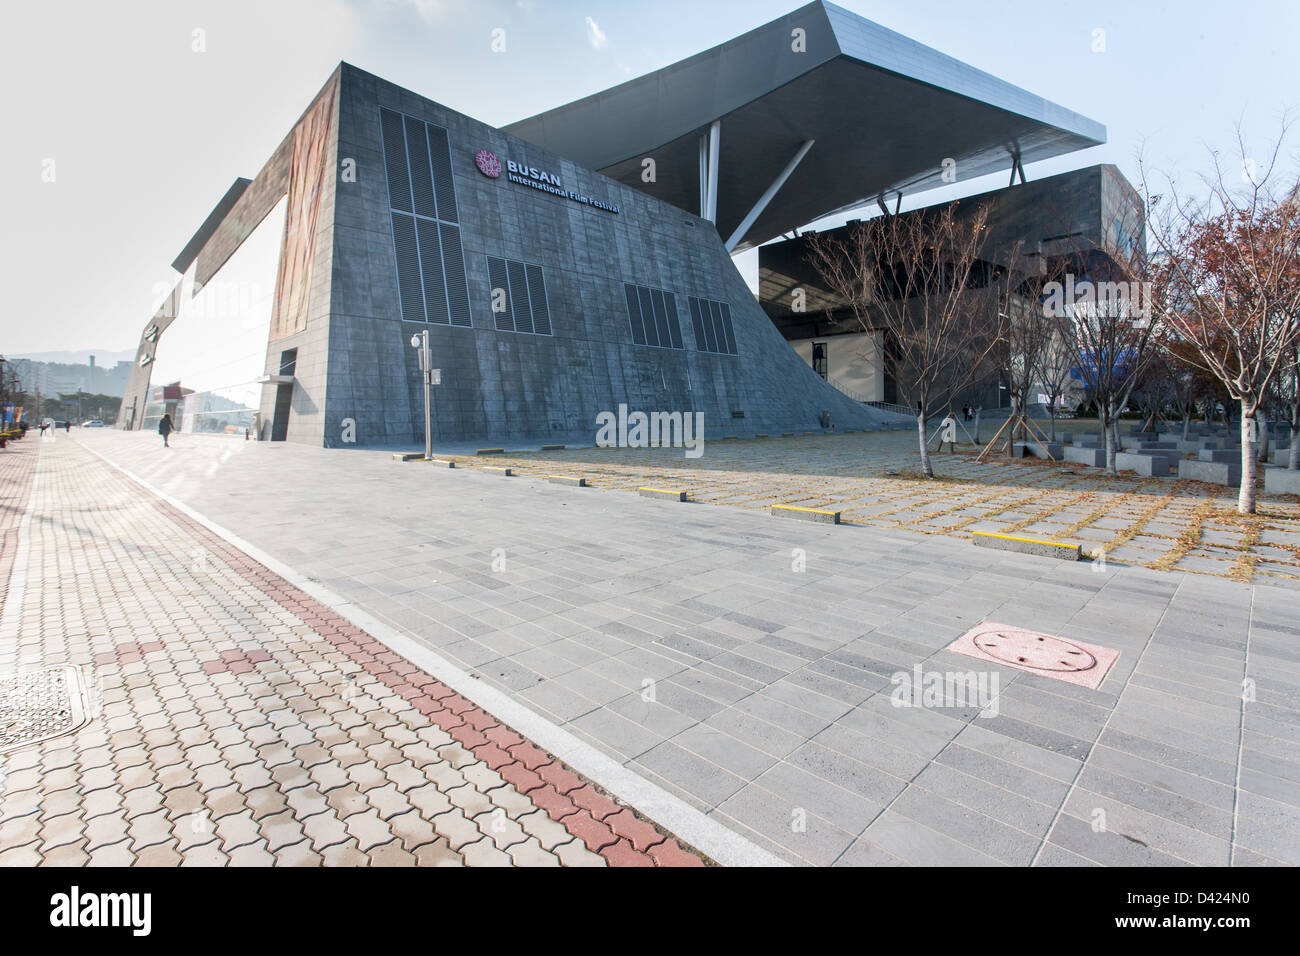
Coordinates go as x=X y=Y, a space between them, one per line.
x=806 y=514
x=567 y=480
x=490 y=451
x=442 y=462
x=663 y=493
x=409 y=456
x=1041 y=547
x=500 y=471
x=552 y=448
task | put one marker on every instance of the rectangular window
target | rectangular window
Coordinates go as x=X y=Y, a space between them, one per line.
x=431 y=279
x=518 y=297
x=712 y=324
x=652 y=316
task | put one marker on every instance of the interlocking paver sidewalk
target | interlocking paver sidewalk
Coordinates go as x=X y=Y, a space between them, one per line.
x=237 y=721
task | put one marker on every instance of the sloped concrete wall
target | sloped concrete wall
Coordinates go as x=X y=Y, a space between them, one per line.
x=501 y=386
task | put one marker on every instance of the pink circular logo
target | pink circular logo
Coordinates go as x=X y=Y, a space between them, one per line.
x=487 y=163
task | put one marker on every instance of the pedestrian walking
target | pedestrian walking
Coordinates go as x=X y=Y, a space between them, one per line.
x=165 y=428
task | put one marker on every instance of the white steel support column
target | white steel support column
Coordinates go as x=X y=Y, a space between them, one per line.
x=768 y=193
x=704 y=175
x=715 y=140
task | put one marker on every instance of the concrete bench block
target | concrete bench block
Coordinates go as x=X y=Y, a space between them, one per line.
x=1147 y=465
x=1038 y=449
x=1282 y=481
x=664 y=493
x=1220 y=455
x=1094 y=457
x=1041 y=547
x=1226 y=473
x=567 y=480
x=806 y=514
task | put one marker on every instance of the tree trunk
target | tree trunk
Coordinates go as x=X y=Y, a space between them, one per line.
x=977 y=423
x=1187 y=423
x=1052 y=413
x=1261 y=436
x=926 y=467
x=1246 y=497
x=1108 y=430
x=1294 y=461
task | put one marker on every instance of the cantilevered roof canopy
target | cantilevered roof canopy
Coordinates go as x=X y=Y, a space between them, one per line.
x=882 y=112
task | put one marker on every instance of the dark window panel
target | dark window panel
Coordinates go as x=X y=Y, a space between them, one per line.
x=674 y=320
x=453 y=264
x=634 y=314
x=709 y=313
x=727 y=330
x=519 y=296
x=417 y=151
x=648 y=316
x=497 y=276
x=443 y=184
x=435 y=292
x=399 y=186
x=408 y=268
x=661 y=319
x=537 y=296
x=696 y=324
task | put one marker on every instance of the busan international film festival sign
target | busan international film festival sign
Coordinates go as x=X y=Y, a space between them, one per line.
x=490 y=166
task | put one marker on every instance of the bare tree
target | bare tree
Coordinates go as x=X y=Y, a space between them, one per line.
x=1028 y=334
x=1112 y=323
x=1185 y=384
x=1060 y=360
x=1230 y=276
x=921 y=279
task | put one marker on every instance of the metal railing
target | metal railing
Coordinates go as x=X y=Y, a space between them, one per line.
x=845 y=390
x=896 y=409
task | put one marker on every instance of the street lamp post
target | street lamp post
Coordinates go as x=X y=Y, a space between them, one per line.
x=431 y=377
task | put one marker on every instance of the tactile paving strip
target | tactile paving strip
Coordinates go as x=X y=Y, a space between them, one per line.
x=41 y=705
x=1036 y=653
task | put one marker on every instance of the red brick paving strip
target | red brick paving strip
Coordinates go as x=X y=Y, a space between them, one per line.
x=618 y=833
x=17 y=472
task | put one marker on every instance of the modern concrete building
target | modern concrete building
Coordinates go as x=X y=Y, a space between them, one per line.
x=555 y=279
x=1082 y=222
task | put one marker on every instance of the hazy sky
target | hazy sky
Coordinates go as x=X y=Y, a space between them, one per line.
x=145 y=133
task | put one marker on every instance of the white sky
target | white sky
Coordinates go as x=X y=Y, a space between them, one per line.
x=146 y=134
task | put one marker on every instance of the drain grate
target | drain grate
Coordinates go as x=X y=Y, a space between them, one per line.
x=41 y=705
x=1072 y=661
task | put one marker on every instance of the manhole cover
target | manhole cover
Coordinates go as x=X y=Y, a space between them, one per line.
x=1036 y=653
x=1041 y=652
x=41 y=705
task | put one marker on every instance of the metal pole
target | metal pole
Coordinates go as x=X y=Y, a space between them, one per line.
x=426 y=360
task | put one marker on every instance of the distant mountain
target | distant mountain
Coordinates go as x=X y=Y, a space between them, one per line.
x=104 y=358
